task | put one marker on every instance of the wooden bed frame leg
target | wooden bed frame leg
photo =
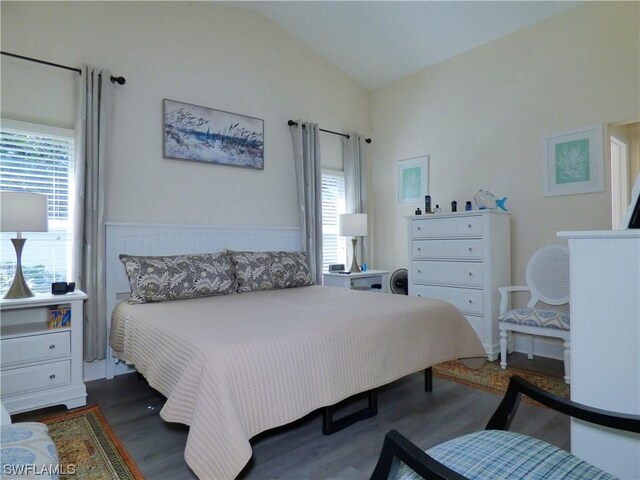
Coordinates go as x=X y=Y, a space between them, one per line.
x=331 y=426
x=428 y=379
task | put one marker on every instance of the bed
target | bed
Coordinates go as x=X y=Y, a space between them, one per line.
x=232 y=366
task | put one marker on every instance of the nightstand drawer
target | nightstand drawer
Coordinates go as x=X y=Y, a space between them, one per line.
x=38 y=377
x=447 y=227
x=453 y=273
x=35 y=348
x=463 y=248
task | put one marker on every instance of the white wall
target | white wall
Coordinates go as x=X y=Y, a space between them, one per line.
x=195 y=52
x=483 y=116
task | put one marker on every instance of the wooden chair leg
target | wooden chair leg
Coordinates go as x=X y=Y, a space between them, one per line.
x=503 y=348
x=567 y=362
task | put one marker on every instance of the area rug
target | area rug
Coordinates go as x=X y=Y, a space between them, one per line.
x=492 y=378
x=88 y=449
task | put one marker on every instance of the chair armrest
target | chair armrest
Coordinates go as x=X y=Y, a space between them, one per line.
x=501 y=419
x=504 y=296
x=396 y=448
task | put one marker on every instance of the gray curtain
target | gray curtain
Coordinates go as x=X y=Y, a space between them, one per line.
x=306 y=156
x=94 y=104
x=355 y=183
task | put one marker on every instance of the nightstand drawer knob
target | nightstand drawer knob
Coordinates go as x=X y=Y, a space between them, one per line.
x=469 y=225
x=471 y=274
x=470 y=249
x=419 y=271
x=52 y=376
x=419 y=295
x=52 y=346
x=419 y=228
x=470 y=301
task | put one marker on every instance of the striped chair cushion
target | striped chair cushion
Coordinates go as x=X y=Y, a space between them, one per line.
x=497 y=454
x=535 y=317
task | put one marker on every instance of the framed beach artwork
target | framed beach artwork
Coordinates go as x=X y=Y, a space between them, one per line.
x=413 y=179
x=207 y=135
x=574 y=162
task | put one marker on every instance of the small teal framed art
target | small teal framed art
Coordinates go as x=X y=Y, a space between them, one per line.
x=574 y=162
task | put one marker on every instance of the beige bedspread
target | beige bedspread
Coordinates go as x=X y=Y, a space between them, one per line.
x=236 y=365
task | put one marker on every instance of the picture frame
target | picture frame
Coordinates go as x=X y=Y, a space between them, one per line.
x=207 y=135
x=574 y=162
x=413 y=180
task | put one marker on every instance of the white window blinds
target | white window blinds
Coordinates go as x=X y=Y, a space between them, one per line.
x=333 y=204
x=39 y=159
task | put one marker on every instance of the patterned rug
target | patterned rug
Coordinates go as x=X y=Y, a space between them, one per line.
x=492 y=378
x=86 y=442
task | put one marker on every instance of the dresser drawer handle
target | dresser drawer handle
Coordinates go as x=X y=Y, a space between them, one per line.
x=469 y=225
x=419 y=295
x=418 y=228
x=52 y=376
x=470 y=301
x=419 y=249
x=419 y=271
x=52 y=346
x=471 y=274
x=470 y=249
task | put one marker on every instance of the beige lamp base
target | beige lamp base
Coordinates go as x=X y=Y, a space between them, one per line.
x=354 y=264
x=19 y=287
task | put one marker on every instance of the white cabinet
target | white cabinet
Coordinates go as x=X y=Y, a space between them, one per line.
x=370 y=281
x=463 y=258
x=605 y=343
x=41 y=366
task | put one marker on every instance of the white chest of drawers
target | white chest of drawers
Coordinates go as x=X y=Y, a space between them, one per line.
x=463 y=258
x=41 y=366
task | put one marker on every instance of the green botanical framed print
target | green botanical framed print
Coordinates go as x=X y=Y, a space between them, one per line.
x=574 y=162
x=413 y=179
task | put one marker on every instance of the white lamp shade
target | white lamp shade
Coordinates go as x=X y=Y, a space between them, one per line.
x=352 y=225
x=23 y=212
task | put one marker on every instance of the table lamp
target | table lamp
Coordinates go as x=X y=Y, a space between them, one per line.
x=353 y=225
x=22 y=212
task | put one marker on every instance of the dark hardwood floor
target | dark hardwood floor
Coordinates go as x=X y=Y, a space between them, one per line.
x=299 y=450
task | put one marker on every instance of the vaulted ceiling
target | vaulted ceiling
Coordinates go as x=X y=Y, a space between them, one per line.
x=377 y=42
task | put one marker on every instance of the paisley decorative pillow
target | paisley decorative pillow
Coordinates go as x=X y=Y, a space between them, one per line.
x=178 y=277
x=270 y=270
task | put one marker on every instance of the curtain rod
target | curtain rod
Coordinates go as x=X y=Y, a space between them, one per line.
x=292 y=123
x=118 y=80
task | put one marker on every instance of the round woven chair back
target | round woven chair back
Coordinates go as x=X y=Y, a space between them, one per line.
x=548 y=274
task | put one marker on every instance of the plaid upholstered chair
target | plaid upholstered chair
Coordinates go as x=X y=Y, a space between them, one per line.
x=496 y=453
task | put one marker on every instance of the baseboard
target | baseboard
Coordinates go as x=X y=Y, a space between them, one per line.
x=98 y=369
x=543 y=347
x=94 y=370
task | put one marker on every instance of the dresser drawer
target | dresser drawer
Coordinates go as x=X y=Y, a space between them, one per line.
x=35 y=348
x=465 y=299
x=478 y=325
x=447 y=227
x=462 y=248
x=452 y=273
x=38 y=377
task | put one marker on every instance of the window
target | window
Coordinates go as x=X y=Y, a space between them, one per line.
x=333 y=203
x=39 y=159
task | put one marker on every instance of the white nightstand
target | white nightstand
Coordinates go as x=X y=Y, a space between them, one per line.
x=41 y=366
x=357 y=281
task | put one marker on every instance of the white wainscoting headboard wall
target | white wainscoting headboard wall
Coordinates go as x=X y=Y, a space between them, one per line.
x=147 y=239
